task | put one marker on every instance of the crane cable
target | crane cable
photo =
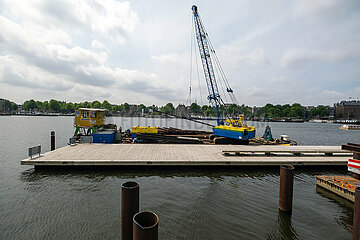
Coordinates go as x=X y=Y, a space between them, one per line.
x=188 y=100
x=197 y=64
x=227 y=84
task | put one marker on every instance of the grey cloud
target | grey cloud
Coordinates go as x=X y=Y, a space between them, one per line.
x=145 y=86
x=11 y=78
x=328 y=10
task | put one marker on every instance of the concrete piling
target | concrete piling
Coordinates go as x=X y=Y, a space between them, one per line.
x=356 y=227
x=52 y=140
x=129 y=207
x=145 y=226
x=286 y=188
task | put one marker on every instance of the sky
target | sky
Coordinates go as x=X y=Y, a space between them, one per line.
x=281 y=51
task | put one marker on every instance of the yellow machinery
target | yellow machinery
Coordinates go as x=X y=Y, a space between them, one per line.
x=89 y=119
x=151 y=130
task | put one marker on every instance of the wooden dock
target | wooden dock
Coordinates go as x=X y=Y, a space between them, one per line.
x=343 y=186
x=189 y=155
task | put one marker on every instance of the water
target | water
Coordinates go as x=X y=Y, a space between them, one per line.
x=191 y=204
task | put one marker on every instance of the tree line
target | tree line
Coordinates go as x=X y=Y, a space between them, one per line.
x=295 y=110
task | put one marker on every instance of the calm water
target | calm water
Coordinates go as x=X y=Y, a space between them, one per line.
x=197 y=204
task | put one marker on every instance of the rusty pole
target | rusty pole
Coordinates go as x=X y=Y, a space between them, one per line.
x=52 y=140
x=286 y=188
x=356 y=227
x=145 y=226
x=129 y=207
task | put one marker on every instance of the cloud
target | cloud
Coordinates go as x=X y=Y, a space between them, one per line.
x=137 y=52
x=235 y=56
x=110 y=18
x=323 y=9
x=302 y=57
x=39 y=57
x=280 y=79
x=98 y=45
x=169 y=58
x=16 y=73
x=331 y=93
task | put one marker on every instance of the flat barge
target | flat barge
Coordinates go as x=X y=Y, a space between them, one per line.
x=190 y=155
x=344 y=186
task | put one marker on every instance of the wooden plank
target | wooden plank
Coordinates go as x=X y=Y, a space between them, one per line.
x=355 y=148
x=169 y=155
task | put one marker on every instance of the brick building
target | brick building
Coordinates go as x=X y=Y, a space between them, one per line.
x=347 y=109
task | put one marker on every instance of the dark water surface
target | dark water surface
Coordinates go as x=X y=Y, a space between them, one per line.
x=191 y=204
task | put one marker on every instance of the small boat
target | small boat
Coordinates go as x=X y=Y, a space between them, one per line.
x=350 y=127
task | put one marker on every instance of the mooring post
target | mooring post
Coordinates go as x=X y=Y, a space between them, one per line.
x=356 y=227
x=145 y=226
x=129 y=207
x=286 y=188
x=52 y=141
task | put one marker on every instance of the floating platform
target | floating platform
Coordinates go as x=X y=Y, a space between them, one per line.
x=343 y=186
x=189 y=155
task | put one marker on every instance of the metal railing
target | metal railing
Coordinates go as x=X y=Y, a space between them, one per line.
x=34 y=150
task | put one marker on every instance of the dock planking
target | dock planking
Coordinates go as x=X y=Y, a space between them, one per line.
x=184 y=155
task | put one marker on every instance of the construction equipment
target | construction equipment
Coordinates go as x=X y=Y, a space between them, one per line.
x=231 y=128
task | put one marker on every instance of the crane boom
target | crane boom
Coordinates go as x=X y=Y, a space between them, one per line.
x=201 y=36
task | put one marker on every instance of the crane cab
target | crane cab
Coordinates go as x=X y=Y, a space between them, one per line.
x=88 y=120
x=89 y=117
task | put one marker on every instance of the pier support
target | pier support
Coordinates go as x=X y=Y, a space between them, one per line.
x=129 y=207
x=356 y=227
x=145 y=226
x=52 y=141
x=286 y=188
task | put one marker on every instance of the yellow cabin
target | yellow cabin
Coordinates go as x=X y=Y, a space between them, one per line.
x=89 y=117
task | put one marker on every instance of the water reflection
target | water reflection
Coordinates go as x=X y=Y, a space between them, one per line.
x=99 y=174
x=285 y=228
x=346 y=208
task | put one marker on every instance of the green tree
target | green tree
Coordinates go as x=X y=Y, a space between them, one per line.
x=96 y=104
x=106 y=104
x=86 y=104
x=76 y=106
x=55 y=105
x=126 y=107
x=168 y=108
x=319 y=111
x=140 y=108
x=14 y=106
x=195 y=108
x=46 y=105
x=233 y=109
x=29 y=105
x=286 y=110
x=246 y=111
x=297 y=110
x=117 y=108
x=69 y=107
